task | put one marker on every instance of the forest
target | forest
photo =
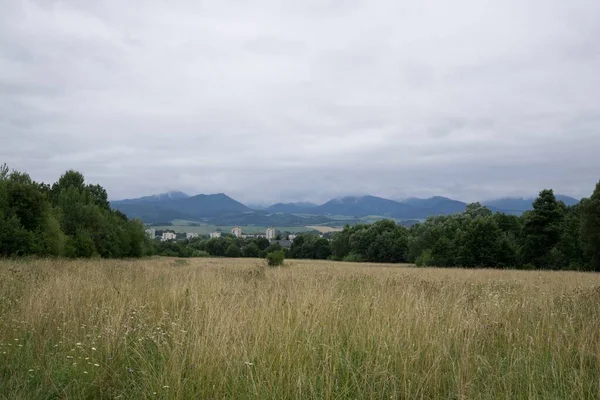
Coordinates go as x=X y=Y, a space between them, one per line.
x=66 y=219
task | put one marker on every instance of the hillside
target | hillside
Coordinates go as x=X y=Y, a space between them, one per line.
x=156 y=198
x=437 y=205
x=207 y=205
x=150 y=213
x=364 y=205
x=292 y=208
x=165 y=207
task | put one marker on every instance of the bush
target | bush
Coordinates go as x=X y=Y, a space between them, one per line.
x=275 y=258
x=425 y=259
x=353 y=257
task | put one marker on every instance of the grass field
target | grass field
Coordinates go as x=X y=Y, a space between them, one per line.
x=224 y=329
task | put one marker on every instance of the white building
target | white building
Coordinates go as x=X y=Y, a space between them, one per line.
x=271 y=233
x=215 y=235
x=168 y=236
x=190 y=235
x=292 y=237
x=151 y=233
x=237 y=232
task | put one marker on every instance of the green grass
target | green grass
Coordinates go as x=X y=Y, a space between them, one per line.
x=224 y=329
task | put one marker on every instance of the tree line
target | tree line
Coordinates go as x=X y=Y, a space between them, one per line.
x=73 y=219
x=550 y=236
x=225 y=246
x=306 y=246
x=68 y=218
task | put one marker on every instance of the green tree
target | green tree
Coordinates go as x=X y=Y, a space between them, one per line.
x=99 y=196
x=272 y=248
x=216 y=247
x=340 y=243
x=4 y=170
x=541 y=230
x=262 y=243
x=27 y=203
x=442 y=253
x=590 y=229
x=27 y=225
x=67 y=218
x=70 y=179
x=251 y=250
x=475 y=210
x=480 y=243
x=322 y=249
x=233 y=251
x=14 y=239
x=568 y=251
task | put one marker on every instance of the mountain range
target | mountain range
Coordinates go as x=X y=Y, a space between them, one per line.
x=220 y=209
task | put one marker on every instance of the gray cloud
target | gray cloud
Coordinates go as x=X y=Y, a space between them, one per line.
x=271 y=100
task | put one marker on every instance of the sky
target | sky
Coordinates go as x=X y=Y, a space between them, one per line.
x=273 y=101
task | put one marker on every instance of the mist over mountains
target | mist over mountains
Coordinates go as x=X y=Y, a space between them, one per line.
x=220 y=209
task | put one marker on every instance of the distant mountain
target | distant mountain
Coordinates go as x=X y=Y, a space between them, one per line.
x=216 y=209
x=568 y=200
x=518 y=205
x=207 y=205
x=220 y=209
x=509 y=205
x=436 y=206
x=364 y=205
x=157 y=198
x=292 y=208
x=180 y=205
x=151 y=213
x=412 y=208
x=257 y=206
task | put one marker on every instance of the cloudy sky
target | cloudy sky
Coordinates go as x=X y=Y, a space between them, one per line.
x=304 y=100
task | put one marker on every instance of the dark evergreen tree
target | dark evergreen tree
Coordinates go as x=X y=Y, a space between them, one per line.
x=590 y=229
x=542 y=230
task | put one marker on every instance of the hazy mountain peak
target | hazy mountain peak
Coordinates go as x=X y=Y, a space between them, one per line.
x=173 y=195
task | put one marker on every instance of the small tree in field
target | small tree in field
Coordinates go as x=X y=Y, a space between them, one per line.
x=275 y=258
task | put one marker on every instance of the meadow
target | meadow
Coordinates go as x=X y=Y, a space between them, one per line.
x=165 y=328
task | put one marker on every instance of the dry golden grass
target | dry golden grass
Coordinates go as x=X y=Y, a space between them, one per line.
x=219 y=328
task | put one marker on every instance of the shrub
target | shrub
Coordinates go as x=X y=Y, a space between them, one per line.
x=275 y=258
x=353 y=257
x=425 y=259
